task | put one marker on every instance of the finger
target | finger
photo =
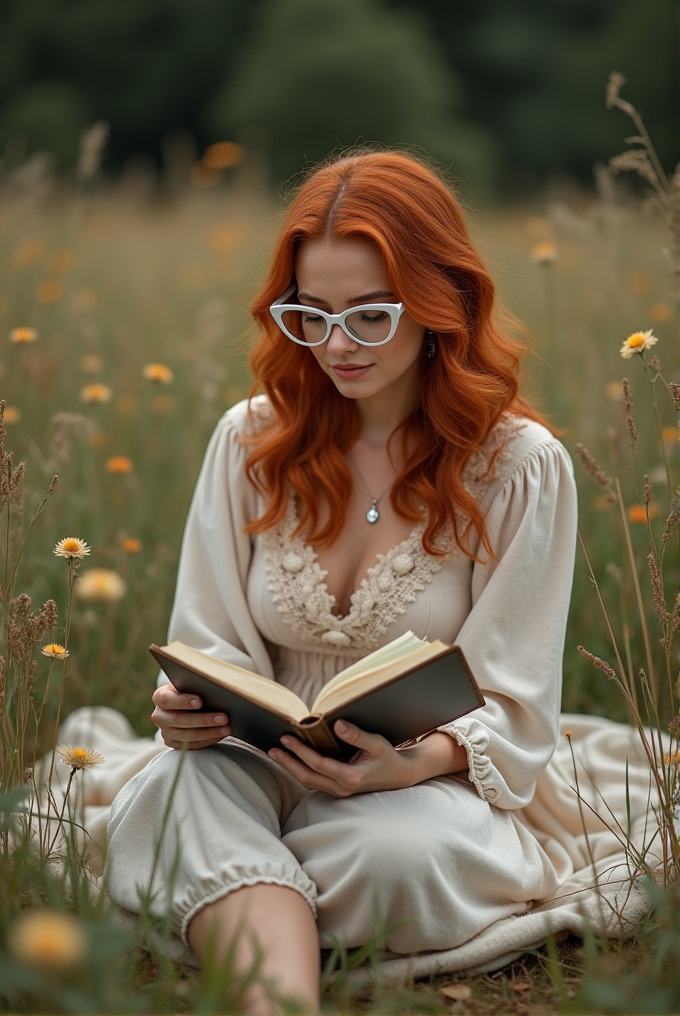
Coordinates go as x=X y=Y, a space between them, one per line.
x=339 y=771
x=309 y=778
x=194 y=733
x=190 y=721
x=167 y=697
x=190 y=745
x=373 y=744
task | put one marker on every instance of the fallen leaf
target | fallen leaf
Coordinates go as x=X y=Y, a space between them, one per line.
x=457 y=992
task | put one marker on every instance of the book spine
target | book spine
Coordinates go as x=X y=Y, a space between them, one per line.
x=315 y=732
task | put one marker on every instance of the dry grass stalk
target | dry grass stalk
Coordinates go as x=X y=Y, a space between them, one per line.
x=592 y=467
x=628 y=406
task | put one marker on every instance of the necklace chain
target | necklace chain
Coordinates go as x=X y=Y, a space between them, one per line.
x=372 y=515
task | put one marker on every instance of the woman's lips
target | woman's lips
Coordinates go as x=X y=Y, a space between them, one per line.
x=350 y=371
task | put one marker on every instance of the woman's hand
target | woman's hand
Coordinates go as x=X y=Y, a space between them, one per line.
x=179 y=722
x=379 y=766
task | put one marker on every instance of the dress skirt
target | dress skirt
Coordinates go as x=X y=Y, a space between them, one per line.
x=428 y=867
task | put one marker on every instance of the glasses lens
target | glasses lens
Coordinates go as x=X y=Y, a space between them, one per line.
x=369 y=325
x=306 y=326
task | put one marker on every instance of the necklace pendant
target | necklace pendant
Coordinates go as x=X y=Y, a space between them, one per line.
x=372 y=515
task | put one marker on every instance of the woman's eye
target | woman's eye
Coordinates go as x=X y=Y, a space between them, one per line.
x=311 y=319
x=373 y=318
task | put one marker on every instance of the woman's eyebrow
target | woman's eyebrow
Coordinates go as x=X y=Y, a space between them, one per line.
x=364 y=298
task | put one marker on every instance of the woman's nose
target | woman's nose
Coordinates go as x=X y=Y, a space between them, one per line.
x=339 y=341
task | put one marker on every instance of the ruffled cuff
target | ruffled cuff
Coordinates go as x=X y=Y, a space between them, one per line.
x=482 y=774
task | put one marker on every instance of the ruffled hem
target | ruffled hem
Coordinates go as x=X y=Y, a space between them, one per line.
x=480 y=769
x=224 y=890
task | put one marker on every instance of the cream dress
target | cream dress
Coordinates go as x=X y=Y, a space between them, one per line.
x=434 y=864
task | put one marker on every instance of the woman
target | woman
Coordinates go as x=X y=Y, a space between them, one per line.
x=389 y=478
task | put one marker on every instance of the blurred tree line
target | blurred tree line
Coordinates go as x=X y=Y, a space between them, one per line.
x=506 y=93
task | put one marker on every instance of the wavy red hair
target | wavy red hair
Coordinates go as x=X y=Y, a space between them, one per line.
x=416 y=222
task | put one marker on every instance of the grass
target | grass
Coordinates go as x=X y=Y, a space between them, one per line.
x=112 y=281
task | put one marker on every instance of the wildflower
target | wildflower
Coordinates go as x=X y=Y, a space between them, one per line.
x=659 y=313
x=48 y=940
x=130 y=545
x=119 y=464
x=672 y=759
x=49 y=291
x=57 y=652
x=544 y=252
x=101 y=584
x=80 y=758
x=12 y=414
x=96 y=393
x=637 y=343
x=72 y=546
x=637 y=513
x=23 y=335
x=567 y=733
x=91 y=364
x=159 y=373
x=223 y=155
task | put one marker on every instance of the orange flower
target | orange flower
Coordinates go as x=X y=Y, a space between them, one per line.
x=119 y=464
x=12 y=414
x=544 y=252
x=223 y=155
x=101 y=584
x=48 y=940
x=96 y=393
x=49 y=291
x=159 y=373
x=23 y=335
x=637 y=513
x=130 y=545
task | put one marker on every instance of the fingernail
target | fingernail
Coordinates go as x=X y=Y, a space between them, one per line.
x=220 y=719
x=194 y=703
x=341 y=727
x=286 y=741
x=224 y=730
x=272 y=752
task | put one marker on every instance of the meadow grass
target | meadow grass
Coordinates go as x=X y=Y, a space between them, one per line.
x=112 y=282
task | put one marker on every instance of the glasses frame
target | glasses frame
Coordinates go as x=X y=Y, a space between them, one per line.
x=279 y=308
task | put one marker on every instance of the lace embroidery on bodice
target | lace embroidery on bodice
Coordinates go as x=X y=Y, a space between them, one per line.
x=296 y=580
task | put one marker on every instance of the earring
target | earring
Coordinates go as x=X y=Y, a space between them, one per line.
x=430 y=344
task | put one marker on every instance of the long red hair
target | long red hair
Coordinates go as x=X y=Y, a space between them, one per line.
x=435 y=271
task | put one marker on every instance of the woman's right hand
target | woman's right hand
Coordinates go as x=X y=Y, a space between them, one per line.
x=180 y=721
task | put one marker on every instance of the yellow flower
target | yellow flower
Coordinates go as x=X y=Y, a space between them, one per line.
x=130 y=545
x=49 y=291
x=637 y=343
x=48 y=940
x=159 y=373
x=12 y=414
x=101 y=584
x=91 y=364
x=72 y=546
x=55 y=651
x=80 y=758
x=544 y=252
x=119 y=464
x=96 y=393
x=223 y=155
x=22 y=335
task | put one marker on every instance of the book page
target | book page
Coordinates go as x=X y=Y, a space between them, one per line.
x=251 y=686
x=352 y=683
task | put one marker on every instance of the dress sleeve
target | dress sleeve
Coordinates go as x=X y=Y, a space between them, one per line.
x=210 y=611
x=513 y=637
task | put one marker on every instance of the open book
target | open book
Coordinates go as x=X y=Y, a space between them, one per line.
x=408 y=688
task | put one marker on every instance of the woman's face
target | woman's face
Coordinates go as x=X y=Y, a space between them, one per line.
x=336 y=274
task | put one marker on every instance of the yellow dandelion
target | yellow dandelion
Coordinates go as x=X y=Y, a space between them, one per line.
x=71 y=546
x=47 y=940
x=23 y=335
x=159 y=373
x=80 y=758
x=637 y=343
x=659 y=313
x=49 y=291
x=56 y=652
x=130 y=545
x=120 y=464
x=669 y=434
x=60 y=261
x=12 y=414
x=544 y=252
x=91 y=364
x=101 y=584
x=223 y=155
x=96 y=393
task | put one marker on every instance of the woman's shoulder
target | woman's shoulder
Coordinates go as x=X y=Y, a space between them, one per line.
x=248 y=417
x=511 y=446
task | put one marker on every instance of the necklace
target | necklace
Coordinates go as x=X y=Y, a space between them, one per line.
x=372 y=515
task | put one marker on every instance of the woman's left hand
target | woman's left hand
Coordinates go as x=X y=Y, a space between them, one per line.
x=379 y=766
